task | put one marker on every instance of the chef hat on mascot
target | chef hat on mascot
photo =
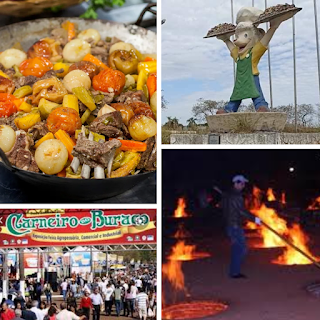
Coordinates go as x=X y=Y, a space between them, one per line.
x=248 y=14
x=245 y=19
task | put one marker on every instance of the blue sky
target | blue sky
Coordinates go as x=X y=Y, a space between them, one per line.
x=193 y=67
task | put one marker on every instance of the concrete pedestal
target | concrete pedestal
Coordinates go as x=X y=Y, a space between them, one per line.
x=246 y=138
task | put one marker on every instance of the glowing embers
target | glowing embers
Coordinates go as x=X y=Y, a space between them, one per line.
x=180 y=211
x=186 y=252
x=315 y=204
x=193 y=310
x=291 y=256
x=270 y=195
x=182 y=233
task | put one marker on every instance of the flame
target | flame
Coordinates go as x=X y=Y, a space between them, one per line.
x=254 y=204
x=283 y=198
x=315 y=205
x=180 y=211
x=270 y=217
x=182 y=232
x=270 y=195
x=291 y=256
x=182 y=251
x=172 y=271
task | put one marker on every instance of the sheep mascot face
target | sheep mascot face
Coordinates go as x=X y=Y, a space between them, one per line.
x=249 y=45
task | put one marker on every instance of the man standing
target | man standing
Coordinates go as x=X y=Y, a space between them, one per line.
x=65 y=314
x=234 y=212
x=142 y=302
x=96 y=302
x=28 y=314
x=64 y=287
x=18 y=313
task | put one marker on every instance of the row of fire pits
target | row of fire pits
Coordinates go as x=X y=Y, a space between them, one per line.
x=260 y=237
x=172 y=272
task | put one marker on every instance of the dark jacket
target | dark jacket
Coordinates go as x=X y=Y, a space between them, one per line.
x=234 y=210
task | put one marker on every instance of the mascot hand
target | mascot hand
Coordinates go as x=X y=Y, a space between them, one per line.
x=224 y=37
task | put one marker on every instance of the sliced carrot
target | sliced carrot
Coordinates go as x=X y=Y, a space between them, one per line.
x=131 y=145
x=48 y=136
x=71 y=29
x=62 y=173
x=66 y=140
x=89 y=57
x=149 y=59
x=152 y=84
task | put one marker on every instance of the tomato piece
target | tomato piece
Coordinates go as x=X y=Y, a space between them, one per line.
x=7 y=108
x=63 y=118
x=109 y=79
x=37 y=66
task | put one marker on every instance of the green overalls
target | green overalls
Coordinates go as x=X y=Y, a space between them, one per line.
x=245 y=86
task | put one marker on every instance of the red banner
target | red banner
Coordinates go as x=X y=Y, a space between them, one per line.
x=33 y=228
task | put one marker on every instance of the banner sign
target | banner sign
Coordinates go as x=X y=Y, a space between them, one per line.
x=94 y=227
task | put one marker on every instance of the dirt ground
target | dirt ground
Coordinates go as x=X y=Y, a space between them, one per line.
x=271 y=292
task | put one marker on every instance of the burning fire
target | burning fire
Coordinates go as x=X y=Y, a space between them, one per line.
x=182 y=252
x=172 y=271
x=270 y=217
x=315 y=205
x=291 y=256
x=182 y=233
x=283 y=198
x=254 y=204
x=295 y=235
x=180 y=211
x=270 y=195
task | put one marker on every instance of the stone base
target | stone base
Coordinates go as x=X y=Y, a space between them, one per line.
x=247 y=122
x=246 y=138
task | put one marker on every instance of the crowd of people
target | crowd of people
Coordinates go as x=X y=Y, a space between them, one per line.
x=127 y=294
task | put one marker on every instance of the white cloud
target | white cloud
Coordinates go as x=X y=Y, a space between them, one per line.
x=186 y=55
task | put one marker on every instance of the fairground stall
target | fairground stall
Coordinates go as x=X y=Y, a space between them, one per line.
x=50 y=245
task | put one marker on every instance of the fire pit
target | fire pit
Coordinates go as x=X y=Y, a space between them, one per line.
x=180 y=212
x=185 y=252
x=193 y=310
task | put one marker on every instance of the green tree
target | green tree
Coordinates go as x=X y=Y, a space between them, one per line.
x=205 y=108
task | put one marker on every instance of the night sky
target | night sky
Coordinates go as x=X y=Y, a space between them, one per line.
x=186 y=172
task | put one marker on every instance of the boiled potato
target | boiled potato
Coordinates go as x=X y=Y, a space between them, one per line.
x=105 y=109
x=12 y=57
x=75 y=50
x=129 y=81
x=142 y=127
x=7 y=138
x=76 y=78
x=90 y=34
x=51 y=156
x=153 y=104
x=122 y=46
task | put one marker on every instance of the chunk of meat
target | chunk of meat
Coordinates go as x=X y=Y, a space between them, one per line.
x=39 y=130
x=94 y=153
x=10 y=72
x=9 y=121
x=20 y=155
x=2 y=68
x=60 y=35
x=25 y=81
x=148 y=157
x=131 y=96
x=109 y=124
